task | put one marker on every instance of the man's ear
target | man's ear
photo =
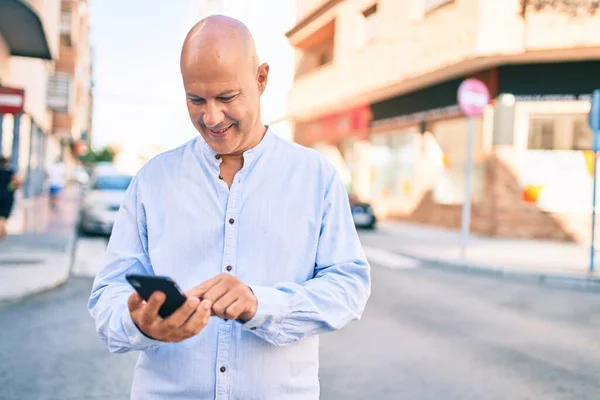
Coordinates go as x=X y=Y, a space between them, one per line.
x=262 y=77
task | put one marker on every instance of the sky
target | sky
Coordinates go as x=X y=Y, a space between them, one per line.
x=139 y=100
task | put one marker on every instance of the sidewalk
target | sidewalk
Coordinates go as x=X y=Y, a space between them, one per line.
x=37 y=254
x=532 y=260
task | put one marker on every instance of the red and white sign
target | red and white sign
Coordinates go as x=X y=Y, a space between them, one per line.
x=473 y=96
x=12 y=100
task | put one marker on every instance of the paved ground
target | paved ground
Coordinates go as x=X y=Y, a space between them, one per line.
x=534 y=257
x=36 y=255
x=425 y=335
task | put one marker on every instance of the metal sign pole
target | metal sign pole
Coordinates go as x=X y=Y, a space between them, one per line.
x=594 y=122
x=466 y=208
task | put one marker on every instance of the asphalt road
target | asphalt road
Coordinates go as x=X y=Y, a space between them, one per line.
x=425 y=334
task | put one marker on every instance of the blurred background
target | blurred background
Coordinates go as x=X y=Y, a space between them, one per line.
x=91 y=90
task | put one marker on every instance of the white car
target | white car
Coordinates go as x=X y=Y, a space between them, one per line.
x=102 y=202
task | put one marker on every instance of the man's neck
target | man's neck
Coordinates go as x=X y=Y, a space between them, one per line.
x=237 y=158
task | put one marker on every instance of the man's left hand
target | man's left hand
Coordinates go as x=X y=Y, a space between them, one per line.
x=230 y=297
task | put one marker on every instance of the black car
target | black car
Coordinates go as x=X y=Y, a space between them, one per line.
x=363 y=215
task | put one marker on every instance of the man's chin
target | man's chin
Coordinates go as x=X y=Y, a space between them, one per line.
x=219 y=146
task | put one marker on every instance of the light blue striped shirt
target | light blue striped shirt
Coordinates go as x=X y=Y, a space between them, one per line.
x=286 y=230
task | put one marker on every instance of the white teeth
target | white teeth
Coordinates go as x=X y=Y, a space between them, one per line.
x=221 y=131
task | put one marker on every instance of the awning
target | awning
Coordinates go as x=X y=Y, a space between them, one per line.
x=22 y=30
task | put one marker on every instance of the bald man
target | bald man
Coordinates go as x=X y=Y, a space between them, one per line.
x=256 y=230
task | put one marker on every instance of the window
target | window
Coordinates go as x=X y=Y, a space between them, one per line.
x=317 y=50
x=65 y=22
x=325 y=55
x=541 y=134
x=583 y=138
x=112 y=182
x=371 y=16
x=59 y=92
x=559 y=132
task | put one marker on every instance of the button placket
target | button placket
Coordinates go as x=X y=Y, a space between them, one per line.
x=225 y=328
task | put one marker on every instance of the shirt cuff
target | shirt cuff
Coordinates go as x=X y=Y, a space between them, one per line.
x=271 y=307
x=137 y=338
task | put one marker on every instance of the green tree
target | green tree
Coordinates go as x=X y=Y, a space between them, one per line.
x=106 y=154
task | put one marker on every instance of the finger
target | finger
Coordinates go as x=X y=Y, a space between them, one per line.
x=216 y=292
x=199 y=319
x=154 y=303
x=224 y=303
x=201 y=289
x=174 y=321
x=236 y=309
x=135 y=301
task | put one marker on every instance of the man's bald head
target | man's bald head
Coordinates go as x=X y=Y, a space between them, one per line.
x=218 y=38
x=223 y=84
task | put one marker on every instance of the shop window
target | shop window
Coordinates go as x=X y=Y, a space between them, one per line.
x=451 y=137
x=393 y=161
x=541 y=135
x=559 y=132
x=371 y=16
x=583 y=137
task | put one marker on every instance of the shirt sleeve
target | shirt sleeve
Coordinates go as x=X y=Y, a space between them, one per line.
x=338 y=293
x=127 y=252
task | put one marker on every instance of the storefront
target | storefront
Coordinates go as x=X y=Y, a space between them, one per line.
x=419 y=140
x=531 y=152
x=335 y=136
x=27 y=146
x=22 y=34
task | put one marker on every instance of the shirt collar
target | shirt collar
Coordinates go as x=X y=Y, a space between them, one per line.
x=249 y=155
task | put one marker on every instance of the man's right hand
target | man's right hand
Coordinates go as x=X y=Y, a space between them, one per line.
x=187 y=321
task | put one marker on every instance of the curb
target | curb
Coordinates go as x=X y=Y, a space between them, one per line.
x=591 y=283
x=62 y=275
x=61 y=278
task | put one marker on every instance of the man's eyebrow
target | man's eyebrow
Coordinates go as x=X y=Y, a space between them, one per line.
x=228 y=93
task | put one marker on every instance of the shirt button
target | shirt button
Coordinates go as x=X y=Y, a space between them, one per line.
x=253 y=328
x=229 y=268
x=223 y=369
x=231 y=221
x=220 y=177
x=218 y=156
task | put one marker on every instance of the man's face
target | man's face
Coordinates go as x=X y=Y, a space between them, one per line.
x=223 y=100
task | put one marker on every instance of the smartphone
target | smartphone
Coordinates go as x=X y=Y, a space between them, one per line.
x=145 y=285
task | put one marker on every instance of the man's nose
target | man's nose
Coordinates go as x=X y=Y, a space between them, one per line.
x=213 y=116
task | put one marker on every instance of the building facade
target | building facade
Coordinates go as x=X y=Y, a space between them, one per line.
x=378 y=80
x=32 y=61
x=70 y=86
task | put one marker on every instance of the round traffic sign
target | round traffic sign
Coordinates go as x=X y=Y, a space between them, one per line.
x=473 y=96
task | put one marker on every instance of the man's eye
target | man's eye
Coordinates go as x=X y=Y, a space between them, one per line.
x=196 y=101
x=227 y=99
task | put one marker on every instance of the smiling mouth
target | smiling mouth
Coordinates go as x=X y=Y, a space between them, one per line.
x=221 y=132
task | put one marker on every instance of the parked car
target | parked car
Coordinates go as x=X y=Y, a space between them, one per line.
x=104 y=168
x=363 y=214
x=102 y=202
